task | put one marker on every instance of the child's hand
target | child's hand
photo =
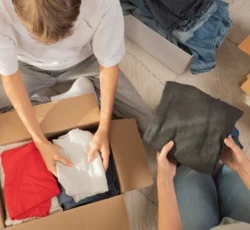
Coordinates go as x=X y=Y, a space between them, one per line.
x=51 y=155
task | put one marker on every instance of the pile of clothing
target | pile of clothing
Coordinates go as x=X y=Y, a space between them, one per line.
x=31 y=191
x=196 y=26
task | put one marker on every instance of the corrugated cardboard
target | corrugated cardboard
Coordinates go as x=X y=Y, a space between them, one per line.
x=130 y=159
x=54 y=118
x=156 y=45
x=245 y=84
x=108 y=214
x=131 y=163
x=245 y=47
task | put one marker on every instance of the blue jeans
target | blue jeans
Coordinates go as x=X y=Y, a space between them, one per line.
x=208 y=38
x=204 y=200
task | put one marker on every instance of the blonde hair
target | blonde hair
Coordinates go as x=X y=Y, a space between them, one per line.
x=49 y=21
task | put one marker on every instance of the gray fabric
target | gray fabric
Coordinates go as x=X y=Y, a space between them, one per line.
x=196 y=122
x=128 y=103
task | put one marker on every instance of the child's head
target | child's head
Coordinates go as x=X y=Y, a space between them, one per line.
x=48 y=21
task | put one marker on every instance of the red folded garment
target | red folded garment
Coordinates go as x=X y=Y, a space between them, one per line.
x=28 y=185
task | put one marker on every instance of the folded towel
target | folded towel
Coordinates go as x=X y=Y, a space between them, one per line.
x=196 y=122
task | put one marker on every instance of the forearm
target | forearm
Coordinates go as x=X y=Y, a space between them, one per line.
x=244 y=173
x=18 y=96
x=169 y=215
x=108 y=82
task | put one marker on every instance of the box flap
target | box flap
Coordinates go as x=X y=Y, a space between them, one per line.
x=156 y=45
x=245 y=45
x=245 y=84
x=54 y=118
x=109 y=214
x=1 y=214
x=129 y=155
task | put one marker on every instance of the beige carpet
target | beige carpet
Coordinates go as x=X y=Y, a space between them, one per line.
x=148 y=75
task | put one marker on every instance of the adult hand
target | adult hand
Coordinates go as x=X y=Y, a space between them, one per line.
x=51 y=155
x=233 y=156
x=100 y=143
x=166 y=168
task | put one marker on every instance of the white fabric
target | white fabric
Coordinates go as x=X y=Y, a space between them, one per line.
x=55 y=207
x=80 y=87
x=84 y=178
x=99 y=29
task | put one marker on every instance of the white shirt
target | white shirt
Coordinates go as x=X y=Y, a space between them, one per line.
x=99 y=30
x=84 y=178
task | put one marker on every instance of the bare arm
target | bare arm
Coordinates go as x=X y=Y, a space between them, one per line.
x=168 y=211
x=108 y=84
x=168 y=216
x=18 y=96
x=237 y=160
x=244 y=173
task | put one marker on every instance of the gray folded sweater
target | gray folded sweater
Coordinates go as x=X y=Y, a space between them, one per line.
x=196 y=122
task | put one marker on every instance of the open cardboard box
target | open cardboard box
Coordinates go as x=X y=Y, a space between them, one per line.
x=58 y=118
x=159 y=47
x=245 y=83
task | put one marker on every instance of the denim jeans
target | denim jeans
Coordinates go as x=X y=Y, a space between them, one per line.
x=208 y=38
x=184 y=36
x=204 y=200
x=178 y=14
x=140 y=4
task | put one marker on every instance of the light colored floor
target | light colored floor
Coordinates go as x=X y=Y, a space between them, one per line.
x=148 y=75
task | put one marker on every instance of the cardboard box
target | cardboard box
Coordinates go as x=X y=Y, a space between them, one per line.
x=58 y=118
x=156 y=45
x=245 y=83
x=245 y=45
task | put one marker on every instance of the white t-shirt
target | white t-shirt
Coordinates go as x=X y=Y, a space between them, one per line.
x=99 y=30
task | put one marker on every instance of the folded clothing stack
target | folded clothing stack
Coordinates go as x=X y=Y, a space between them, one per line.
x=24 y=173
x=84 y=178
x=67 y=202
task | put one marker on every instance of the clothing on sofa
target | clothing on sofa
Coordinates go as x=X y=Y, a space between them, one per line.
x=84 y=178
x=67 y=202
x=25 y=173
x=196 y=122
